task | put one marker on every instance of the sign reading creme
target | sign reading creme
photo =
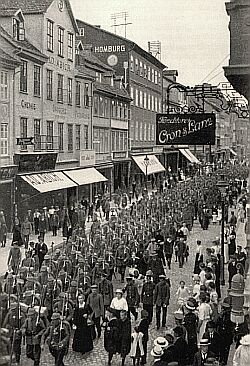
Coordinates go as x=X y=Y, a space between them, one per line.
x=185 y=129
x=110 y=48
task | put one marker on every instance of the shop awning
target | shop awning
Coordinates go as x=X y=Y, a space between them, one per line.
x=46 y=182
x=85 y=176
x=190 y=156
x=154 y=166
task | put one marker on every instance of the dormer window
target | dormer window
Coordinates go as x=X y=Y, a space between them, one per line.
x=18 y=29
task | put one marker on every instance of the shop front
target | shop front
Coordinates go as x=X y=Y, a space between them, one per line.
x=146 y=168
x=7 y=192
x=121 y=170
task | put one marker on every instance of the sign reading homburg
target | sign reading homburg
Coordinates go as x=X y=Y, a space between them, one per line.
x=185 y=129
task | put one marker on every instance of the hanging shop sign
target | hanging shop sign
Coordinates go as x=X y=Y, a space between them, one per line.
x=185 y=129
x=35 y=162
x=25 y=141
x=87 y=158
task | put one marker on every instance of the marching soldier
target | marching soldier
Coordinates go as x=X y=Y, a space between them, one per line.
x=63 y=306
x=147 y=295
x=121 y=257
x=111 y=265
x=132 y=297
x=13 y=321
x=156 y=266
x=30 y=298
x=33 y=328
x=58 y=336
x=106 y=290
x=52 y=291
x=43 y=275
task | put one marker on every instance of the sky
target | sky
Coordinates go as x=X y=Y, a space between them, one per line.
x=194 y=34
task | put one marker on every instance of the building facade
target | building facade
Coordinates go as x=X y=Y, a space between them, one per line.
x=141 y=75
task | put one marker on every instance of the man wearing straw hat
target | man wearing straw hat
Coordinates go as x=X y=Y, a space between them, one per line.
x=203 y=354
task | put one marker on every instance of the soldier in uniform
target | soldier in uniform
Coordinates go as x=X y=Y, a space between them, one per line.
x=52 y=291
x=106 y=290
x=33 y=329
x=121 y=257
x=13 y=322
x=156 y=266
x=30 y=298
x=111 y=264
x=132 y=297
x=64 y=307
x=58 y=336
x=147 y=295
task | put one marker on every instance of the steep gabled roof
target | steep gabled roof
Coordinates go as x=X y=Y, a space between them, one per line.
x=111 y=90
x=25 y=44
x=33 y=7
x=130 y=43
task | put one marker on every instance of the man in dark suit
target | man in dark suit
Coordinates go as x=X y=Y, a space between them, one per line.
x=41 y=250
x=201 y=357
x=181 y=347
x=214 y=338
x=161 y=300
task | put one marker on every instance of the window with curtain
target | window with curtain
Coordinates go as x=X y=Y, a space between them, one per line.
x=4 y=139
x=60 y=136
x=23 y=77
x=70 y=137
x=49 y=84
x=37 y=81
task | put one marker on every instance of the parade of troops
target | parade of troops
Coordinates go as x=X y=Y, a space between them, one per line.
x=114 y=281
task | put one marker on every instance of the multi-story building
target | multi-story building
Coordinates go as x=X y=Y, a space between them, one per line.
x=8 y=64
x=141 y=74
x=111 y=104
x=52 y=110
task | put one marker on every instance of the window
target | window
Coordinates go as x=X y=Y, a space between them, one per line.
x=113 y=109
x=37 y=134
x=149 y=102
x=4 y=139
x=78 y=137
x=145 y=132
x=159 y=106
x=152 y=103
x=149 y=127
x=136 y=130
x=96 y=105
x=152 y=132
x=81 y=32
x=141 y=131
x=101 y=107
x=85 y=137
x=156 y=77
x=70 y=137
x=18 y=30
x=23 y=76
x=132 y=95
x=50 y=128
x=60 y=41
x=149 y=73
x=23 y=130
x=70 y=91
x=60 y=89
x=132 y=66
x=141 y=99
x=70 y=46
x=141 y=68
x=145 y=101
x=152 y=75
x=50 y=35
x=145 y=71
x=60 y=136
x=136 y=66
x=78 y=94
x=156 y=104
x=4 y=85
x=49 y=84
x=37 y=81
x=136 y=97
x=125 y=111
x=86 y=95
x=106 y=107
x=159 y=78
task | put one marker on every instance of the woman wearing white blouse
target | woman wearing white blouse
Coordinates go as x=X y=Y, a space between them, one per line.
x=119 y=303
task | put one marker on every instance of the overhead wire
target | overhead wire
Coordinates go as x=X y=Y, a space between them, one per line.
x=216 y=67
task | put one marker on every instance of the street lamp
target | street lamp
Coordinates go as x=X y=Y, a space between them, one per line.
x=222 y=186
x=146 y=162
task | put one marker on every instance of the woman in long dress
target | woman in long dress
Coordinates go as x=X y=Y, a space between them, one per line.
x=82 y=341
x=198 y=257
x=204 y=315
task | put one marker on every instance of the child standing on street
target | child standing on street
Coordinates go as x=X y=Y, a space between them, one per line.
x=137 y=350
x=182 y=294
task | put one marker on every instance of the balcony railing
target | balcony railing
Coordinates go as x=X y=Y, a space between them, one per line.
x=46 y=143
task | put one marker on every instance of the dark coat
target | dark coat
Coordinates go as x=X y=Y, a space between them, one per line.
x=125 y=337
x=225 y=328
x=181 y=351
x=215 y=341
x=111 y=336
x=162 y=293
x=132 y=295
x=143 y=328
x=198 y=361
x=82 y=341
x=147 y=294
x=106 y=290
x=41 y=250
x=143 y=265
x=155 y=264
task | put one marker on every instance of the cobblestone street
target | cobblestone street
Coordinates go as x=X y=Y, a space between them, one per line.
x=98 y=356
